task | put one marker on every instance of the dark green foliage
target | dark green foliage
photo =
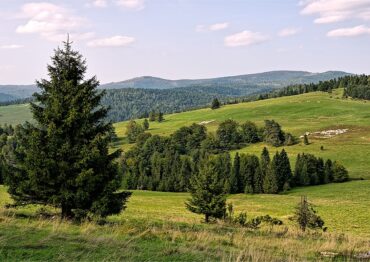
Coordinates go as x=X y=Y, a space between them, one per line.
x=215 y=104
x=235 y=178
x=160 y=117
x=306 y=216
x=273 y=134
x=249 y=166
x=228 y=134
x=146 y=124
x=340 y=173
x=152 y=116
x=249 y=133
x=207 y=192
x=283 y=170
x=133 y=130
x=63 y=159
x=270 y=182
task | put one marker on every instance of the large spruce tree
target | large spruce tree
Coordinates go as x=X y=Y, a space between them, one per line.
x=63 y=160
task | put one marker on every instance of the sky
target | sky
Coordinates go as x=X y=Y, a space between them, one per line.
x=177 y=39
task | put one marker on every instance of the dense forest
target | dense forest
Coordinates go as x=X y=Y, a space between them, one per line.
x=168 y=163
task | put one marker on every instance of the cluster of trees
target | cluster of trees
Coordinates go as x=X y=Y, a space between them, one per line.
x=358 y=87
x=168 y=163
x=310 y=170
x=155 y=116
x=6 y=143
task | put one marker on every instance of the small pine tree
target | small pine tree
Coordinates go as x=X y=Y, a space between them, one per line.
x=305 y=140
x=207 y=193
x=306 y=216
x=215 y=104
x=160 y=117
x=146 y=124
x=152 y=116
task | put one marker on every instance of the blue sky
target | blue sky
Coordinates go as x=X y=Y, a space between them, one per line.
x=176 y=39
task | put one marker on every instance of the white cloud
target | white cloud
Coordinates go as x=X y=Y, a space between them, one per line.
x=114 y=41
x=13 y=46
x=213 y=27
x=350 y=31
x=289 y=31
x=331 y=11
x=49 y=20
x=99 y=3
x=245 y=38
x=219 y=26
x=131 y=4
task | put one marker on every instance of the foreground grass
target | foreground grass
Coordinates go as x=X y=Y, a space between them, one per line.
x=157 y=227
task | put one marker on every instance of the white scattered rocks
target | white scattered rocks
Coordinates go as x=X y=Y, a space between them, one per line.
x=326 y=133
x=328 y=254
x=206 y=122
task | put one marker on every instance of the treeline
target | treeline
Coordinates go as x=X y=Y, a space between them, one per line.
x=167 y=163
x=6 y=143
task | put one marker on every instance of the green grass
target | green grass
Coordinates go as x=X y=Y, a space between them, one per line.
x=15 y=114
x=157 y=227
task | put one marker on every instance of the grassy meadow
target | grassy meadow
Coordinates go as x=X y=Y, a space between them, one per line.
x=157 y=227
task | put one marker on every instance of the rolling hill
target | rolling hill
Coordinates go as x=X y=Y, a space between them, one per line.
x=309 y=112
x=266 y=81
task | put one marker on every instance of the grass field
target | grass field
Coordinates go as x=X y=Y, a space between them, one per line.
x=15 y=114
x=157 y=227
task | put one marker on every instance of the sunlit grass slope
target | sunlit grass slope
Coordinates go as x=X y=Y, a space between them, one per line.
x=157 y=227
x=297 y=114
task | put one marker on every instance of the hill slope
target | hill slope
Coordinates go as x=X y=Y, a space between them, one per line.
x=297 y=114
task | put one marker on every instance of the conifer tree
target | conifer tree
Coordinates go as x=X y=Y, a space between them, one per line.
x=264 y=162
x=146 y=124
x=160 y=117
x=284 y=172
x=152 y=116
x=63 y=159
x=235 y=175
x=215 y=104
x=207 y=192
x=270 y=183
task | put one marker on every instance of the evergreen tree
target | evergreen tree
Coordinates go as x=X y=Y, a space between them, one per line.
x=228 y=134
x=270 y=183
x=160 y=117
x=207 y=193
x=264 y=162
x=63 y=159
x=235 y=175
x=306 y=216
x=152 y=116
x=329 y=171
x=284 y=172
x=215 y=104
x=146 y=124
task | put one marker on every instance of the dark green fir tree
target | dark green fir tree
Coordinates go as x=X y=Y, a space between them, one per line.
x=63 y=160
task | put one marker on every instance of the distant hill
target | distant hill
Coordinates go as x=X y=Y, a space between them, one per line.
x=273 y=79
x=230 y=85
